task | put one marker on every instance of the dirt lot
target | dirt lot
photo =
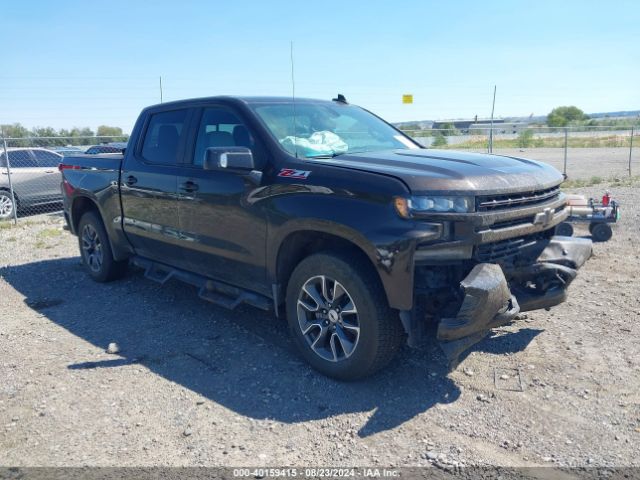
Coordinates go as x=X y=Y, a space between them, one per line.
x=583 y=163
x=195 y=385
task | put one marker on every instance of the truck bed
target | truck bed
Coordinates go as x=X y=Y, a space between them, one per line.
x=104 y=161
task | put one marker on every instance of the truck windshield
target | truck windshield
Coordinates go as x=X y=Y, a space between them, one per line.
x=320 y=130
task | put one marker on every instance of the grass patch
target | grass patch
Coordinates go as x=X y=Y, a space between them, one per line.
x=8 y=224
x=595 y=180
x=611 y=181
x=49 y=233
x=532 y=141
x=43 y=235
x=625 y=181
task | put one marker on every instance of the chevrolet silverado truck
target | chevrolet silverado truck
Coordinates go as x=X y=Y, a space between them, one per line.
x=324 y=213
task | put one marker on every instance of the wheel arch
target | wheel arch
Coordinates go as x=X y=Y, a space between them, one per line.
x=298 y=244
x=79 y=207
x=81 y=204
x=6 y=189
x=16 y=199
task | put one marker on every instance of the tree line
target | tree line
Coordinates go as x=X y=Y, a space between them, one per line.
x=51 y=137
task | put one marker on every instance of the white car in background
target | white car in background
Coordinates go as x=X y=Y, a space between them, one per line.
x=35 y=178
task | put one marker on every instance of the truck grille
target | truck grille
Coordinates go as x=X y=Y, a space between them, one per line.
x=522 y=199
x=506 y=249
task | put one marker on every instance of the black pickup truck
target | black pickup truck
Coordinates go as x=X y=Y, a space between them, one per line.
x=322 y=210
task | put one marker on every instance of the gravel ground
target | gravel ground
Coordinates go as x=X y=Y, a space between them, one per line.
x=582 y=163
x=194 y=384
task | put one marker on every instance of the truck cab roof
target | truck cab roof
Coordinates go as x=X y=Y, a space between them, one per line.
x=248 y=100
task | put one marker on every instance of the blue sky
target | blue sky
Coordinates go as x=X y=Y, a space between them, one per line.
x=79 y=63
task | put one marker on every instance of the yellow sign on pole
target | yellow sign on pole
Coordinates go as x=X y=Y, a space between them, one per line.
x=407 y=98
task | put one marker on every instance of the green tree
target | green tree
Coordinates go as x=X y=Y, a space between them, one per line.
x=525 y=138
x=563 y=116
x=449 y=129
x=439 y=140
x=107 y=131
x=45 y=137
x=81 y=136
x=16 y=131
x=109 y=134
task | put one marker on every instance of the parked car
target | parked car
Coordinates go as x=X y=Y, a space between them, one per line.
x=107 y=148
x=35 y=178
x=66 y=151
x=324 y=211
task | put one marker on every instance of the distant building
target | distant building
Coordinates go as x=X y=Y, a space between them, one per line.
x=498 y=127
x=462 y=125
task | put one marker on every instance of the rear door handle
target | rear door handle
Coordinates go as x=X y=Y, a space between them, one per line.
x=131 y=180
x=189 y=186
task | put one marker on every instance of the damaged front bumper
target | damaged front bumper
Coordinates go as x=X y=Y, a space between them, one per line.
x=493 y=295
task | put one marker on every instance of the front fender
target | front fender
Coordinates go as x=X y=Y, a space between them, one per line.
x=373 y=226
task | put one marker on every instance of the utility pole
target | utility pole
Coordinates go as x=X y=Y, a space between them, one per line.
x=566 y=145
x=630 y=150
x=493 y=107
x=6 y=157
x=160 y=88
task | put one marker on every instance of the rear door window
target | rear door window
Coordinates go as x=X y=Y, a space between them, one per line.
x=165 y=132
x=19 y=159
x=46 y=159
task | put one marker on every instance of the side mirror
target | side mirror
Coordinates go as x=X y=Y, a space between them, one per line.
x=228 y=158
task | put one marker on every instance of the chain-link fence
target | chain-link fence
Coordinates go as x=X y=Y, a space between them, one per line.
x=582 y=153
x=30 y=181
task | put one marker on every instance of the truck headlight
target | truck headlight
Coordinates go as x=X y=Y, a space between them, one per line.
x=434 y=204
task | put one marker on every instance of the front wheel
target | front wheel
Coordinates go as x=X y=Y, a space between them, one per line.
x=95 y=250
x=339 y=318
x=7 y=205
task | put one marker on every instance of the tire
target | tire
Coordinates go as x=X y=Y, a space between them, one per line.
x=591 y=225
x=7 y=205
x=601 y=232
x=565 y=229
x=95 y=250
x=340 y=344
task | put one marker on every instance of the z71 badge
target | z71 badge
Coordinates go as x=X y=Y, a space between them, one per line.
x=293 y=173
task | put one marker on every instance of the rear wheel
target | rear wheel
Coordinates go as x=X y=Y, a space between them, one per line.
x=601 y=232
x=339 y=317
x=7 y=205
x=565 y=229
x=95 y=250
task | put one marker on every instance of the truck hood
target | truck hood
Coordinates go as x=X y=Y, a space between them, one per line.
x=446 y=171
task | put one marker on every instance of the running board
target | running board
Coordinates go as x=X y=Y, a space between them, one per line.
x=230 y=297
x=219 y=293
x=153 y=272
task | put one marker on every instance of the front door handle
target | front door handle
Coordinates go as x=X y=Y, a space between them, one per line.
x=189 y=186
x=131 y=180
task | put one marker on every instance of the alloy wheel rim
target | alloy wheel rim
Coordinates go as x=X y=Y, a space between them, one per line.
x=92 y=248
x=6 y=206
x=328 y=318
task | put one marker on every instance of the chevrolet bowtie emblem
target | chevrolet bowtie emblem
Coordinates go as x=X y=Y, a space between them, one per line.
x=543 y=218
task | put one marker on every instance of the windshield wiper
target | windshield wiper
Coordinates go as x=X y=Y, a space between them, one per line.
x=326 y=155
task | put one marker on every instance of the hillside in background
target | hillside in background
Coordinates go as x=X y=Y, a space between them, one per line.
x=424 y=124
